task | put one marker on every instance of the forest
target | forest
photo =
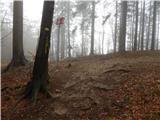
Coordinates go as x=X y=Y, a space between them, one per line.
x=80 y=60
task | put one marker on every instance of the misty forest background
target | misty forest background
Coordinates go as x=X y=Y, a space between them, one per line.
x=90 y=27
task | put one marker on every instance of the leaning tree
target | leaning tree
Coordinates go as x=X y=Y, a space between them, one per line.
x=40 y=76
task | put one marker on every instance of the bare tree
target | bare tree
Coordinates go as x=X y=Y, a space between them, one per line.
x=142 y=32
x=92 y=28
x=154 y=26
x=136 y=28
x=115 y=29
x=40 y=74
x=122 y=33
x=18 y=58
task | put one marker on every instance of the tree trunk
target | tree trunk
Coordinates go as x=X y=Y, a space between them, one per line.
x=142 y=32
x=103 y=40
x=62 y=41
x=92 y=28
x=115 y=29
x=122 y=33
x=40 y=74
x=157 y=39
x=82 y=45
x=154 y=27
x=136 y=28
x=58 y=41
x=148 y=31
x=68 y=20
x=140 y=27
x=18 y=58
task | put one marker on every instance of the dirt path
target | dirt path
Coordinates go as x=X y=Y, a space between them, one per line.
x=112 y=87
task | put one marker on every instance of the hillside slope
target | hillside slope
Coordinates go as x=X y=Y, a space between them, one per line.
x=107 y=87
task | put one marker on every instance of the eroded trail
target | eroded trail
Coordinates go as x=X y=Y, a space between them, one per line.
x=91 y=88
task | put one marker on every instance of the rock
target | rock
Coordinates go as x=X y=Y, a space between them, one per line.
x=60 y=109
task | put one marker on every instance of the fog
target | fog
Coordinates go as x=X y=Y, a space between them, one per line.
x=32 y=13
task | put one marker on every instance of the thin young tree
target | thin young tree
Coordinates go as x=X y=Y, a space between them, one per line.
x=92 y=28
x=115 y=29
x=148 y=28
x=136 y=28
x=154 y=26
x=122 y=33
x=142 y=32
x=68 y=24
x=40 y=74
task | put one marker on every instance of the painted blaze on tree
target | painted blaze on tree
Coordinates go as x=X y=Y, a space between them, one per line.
x=40 y=74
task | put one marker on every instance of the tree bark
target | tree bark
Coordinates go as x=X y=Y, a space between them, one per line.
x=136 y=28
x=18 y=58
x=154 y=27
x=68 y=20
x=148 y=31
x=92 y=28
x=115 y=29
x=40 y=74
x=142 y=32
x=122 y=33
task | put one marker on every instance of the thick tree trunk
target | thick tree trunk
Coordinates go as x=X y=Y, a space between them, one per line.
x=18 y=58
x=122 y=33
x=154 y=27
x=92 y=28
x=40 y=75
x=136 y=28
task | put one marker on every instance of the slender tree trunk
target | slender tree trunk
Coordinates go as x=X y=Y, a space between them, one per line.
x=143 y=20
x=92 y=28
x=62 y=41
x=157 y=39
x=140 y=28
x=136 y=28
x=40 y=74
x=154 y=27
x=58 y=41
x=82 y=46
x=68 y=20
x=122 y=33
x=148 y=31
x=103 y=41
x=115 y=29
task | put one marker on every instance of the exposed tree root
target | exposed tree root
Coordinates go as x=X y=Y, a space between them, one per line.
x=15 y=63
x=32 y=89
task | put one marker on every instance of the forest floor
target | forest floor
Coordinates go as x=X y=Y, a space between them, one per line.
x=104 y=87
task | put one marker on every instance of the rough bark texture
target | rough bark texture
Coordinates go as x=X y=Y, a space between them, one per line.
x=122 y=33
x=18 y=58
x=92 y=28
x=154 y=27
x=136 y=28
x=40 y=75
